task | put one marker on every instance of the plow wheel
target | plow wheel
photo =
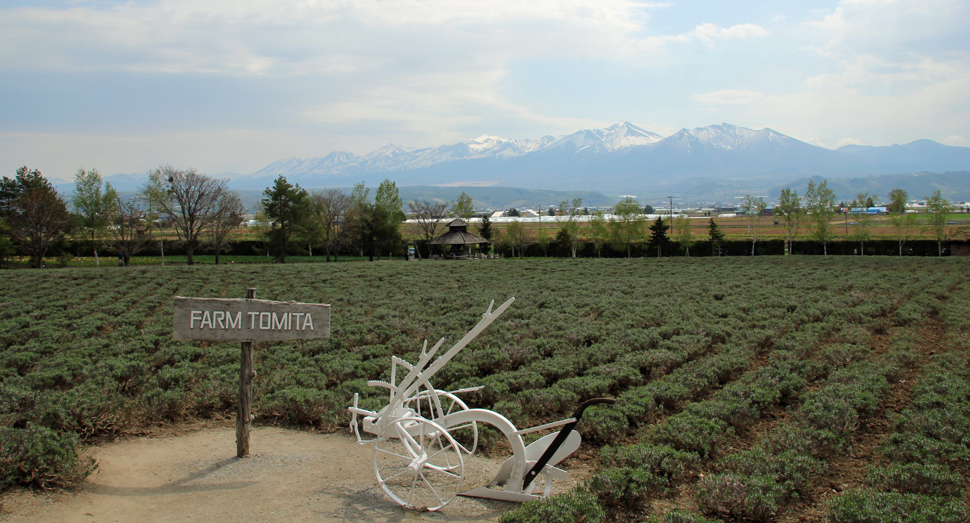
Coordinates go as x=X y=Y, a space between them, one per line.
x=435 y=405
x=418 y=464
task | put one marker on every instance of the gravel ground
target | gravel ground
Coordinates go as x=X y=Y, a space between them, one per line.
x=291 y=475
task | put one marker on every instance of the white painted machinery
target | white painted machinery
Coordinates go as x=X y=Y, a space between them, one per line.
x=423 y=436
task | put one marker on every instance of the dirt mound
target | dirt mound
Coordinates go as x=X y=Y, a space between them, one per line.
x=291 y=476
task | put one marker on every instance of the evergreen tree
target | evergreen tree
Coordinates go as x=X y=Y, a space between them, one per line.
x=717 y=238
x=485 y=231
x=658 y=235
x=36 y=213
x=288 y=209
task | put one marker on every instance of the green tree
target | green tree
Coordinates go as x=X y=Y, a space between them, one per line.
x=288 y=209
x=380 y=230
x=569 y=230
x=512 y=213
x=154 y=194
x=938 y=207
x=353 y=223
x=36 y=213
x=485 y=231
x=599 y=233
x=626 y=225
x=897 y=201
x=790 y=209
x=753 y=208
x=464 y=208
x=717 y=237
x=648 y=209
x=384 y=236
x=685 y=237
x=819 y=202
x=6 y=243
x=388 y=200
x=96 y=204
x=658 y=235
x=902 y=225
x=863 y=220
x=516 y=238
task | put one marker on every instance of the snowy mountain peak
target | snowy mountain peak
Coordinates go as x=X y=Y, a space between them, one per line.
x=625 y=134
x=485 y=142
x=727 y=136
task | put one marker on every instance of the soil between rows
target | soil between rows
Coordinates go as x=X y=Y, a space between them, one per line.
x=291 y=476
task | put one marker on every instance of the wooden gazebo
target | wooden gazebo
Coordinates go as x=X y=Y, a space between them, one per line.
x=458 y=235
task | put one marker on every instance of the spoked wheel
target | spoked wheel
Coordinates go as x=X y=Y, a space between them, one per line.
x=418 y=464
x=438 y=404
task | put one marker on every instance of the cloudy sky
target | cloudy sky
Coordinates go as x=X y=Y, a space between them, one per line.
x=232 y=85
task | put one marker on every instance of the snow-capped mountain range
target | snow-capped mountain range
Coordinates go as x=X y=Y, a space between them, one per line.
x=621 y=158
x=396 y=158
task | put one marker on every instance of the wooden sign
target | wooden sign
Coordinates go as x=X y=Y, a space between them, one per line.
x=214 y=319
x=246 y=321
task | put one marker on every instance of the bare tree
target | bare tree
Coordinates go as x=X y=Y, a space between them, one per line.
x=192 y=201
x=330 y=206
x=228 y=217
x=428 y=214
x=128 y=232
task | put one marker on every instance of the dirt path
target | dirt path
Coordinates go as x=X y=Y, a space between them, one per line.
x=291 y=476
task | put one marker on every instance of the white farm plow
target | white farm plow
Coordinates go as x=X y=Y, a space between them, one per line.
x=423 y=435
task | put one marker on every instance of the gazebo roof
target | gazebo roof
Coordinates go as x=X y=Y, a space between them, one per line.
x=458 y=235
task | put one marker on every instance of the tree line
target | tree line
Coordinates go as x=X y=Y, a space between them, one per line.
x=201 y=210
x=36 y=220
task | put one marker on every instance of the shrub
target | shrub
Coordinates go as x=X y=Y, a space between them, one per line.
x=905 y=447
x=736 y=412
x=638 y=404
x=604 y=425
x=753 y=498
x=932 y=480
x=792 y=468
x=660 y=460
x=41 y=457
x=575 y=506
x=864 y=506
x=686 y=431
x=301 y=405
x=834 y=414
x=626 y=488
x=682 y=516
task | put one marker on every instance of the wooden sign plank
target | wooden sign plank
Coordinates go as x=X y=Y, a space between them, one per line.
x=215 y=319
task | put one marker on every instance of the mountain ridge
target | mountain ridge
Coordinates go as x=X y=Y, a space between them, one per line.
x=622 y=159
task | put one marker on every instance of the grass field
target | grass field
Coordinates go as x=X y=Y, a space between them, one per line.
x=762 y=389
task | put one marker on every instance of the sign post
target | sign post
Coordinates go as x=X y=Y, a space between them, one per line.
x=248 y=320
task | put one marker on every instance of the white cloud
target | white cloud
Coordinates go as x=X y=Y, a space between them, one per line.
x=955 y=140
x=707 y=32
x=730 y=97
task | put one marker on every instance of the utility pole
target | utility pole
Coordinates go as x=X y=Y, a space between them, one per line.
x=671 y=211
